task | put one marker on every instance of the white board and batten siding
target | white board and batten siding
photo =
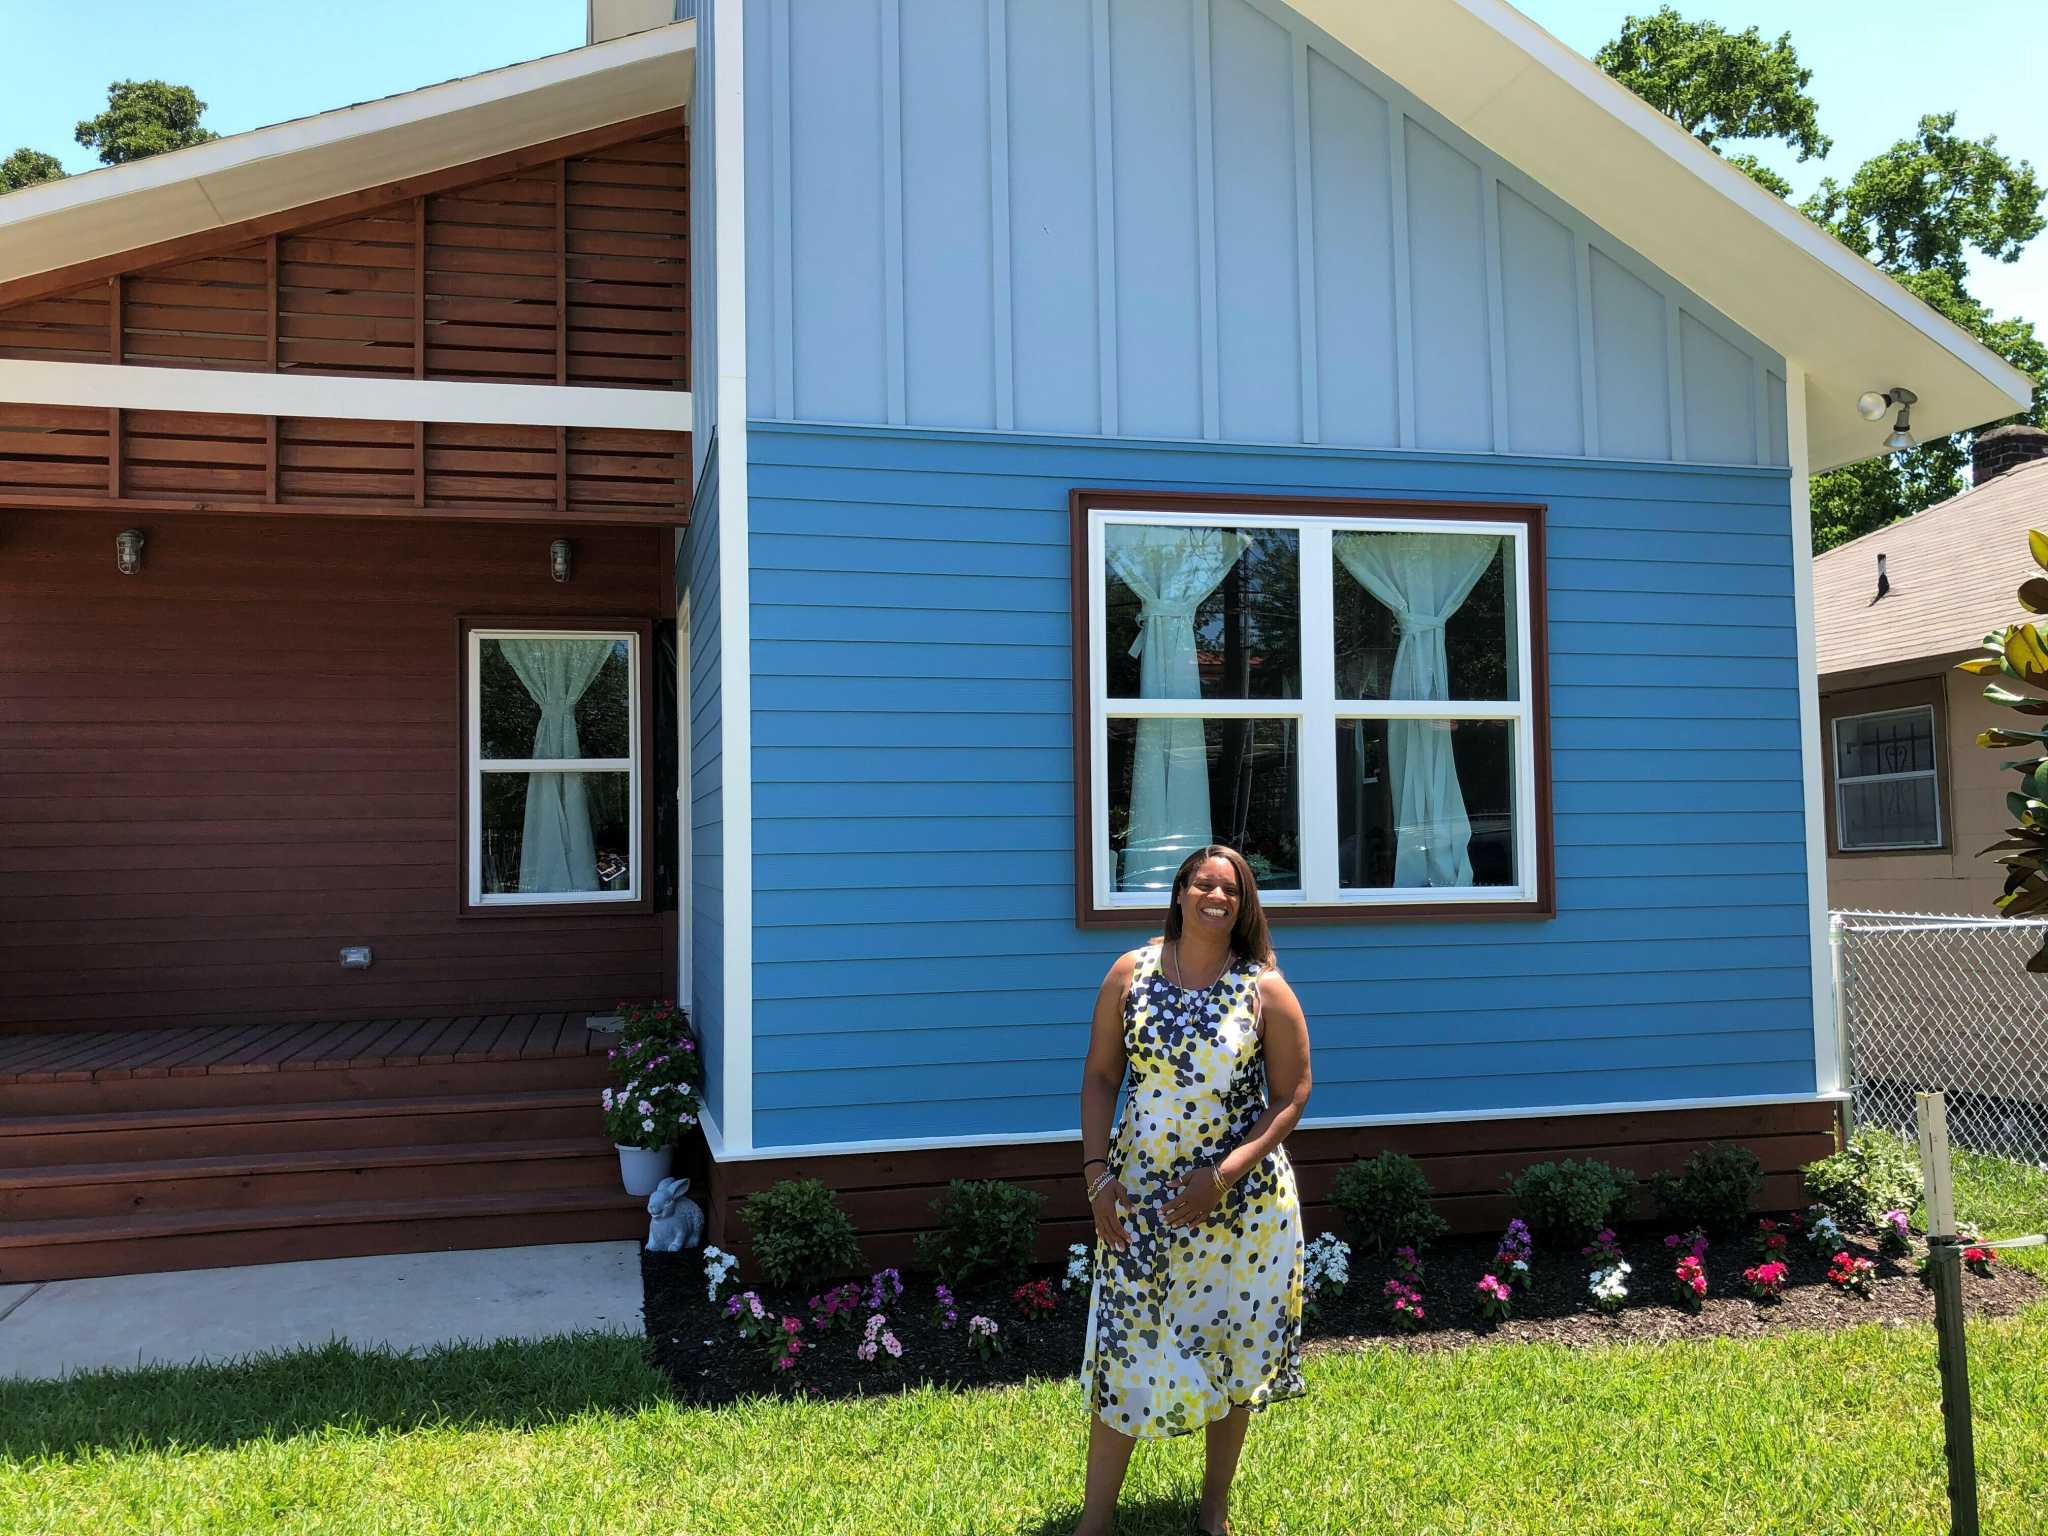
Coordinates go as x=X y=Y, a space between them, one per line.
x=1189 y=219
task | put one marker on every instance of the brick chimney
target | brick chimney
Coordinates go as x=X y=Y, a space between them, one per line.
x=2003 y=448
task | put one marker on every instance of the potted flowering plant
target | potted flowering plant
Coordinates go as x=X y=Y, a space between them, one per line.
x=657 y=1072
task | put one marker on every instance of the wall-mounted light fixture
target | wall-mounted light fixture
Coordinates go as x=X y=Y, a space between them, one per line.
x=128 y=551
x=1872 y=404
x=558 y=559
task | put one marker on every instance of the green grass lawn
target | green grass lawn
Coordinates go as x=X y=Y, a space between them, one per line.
x=1824 y=1433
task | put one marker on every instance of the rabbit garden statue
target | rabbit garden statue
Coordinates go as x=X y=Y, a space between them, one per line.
x=678 y=1223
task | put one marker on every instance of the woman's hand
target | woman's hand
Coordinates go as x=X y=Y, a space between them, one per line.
x=1108 y=1206
x=1192 y=1196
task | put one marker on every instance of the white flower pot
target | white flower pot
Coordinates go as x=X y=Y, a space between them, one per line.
x=641 y=1168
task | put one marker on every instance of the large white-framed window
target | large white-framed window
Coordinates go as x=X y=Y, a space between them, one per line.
x=1349 y=693
x=555 y=786
x=1887 y=780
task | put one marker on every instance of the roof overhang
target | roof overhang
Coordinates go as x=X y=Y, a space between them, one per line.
x=1649 y=183
x=247 y=176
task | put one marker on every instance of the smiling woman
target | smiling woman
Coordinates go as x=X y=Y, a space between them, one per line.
x=1195 y=1317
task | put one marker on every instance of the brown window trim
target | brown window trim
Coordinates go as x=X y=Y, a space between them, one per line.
x=1876 y=698
x=1080 y=502
x=643 y=689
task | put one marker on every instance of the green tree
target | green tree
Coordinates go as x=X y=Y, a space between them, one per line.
x=144 y=118
x=25 y=167
x=1717 y=84
x=1921 y=205
x=1917 y=210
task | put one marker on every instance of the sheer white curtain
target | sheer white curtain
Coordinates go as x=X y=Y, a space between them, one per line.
x=1172 y=570
x=1424 y=578
x=556 y=852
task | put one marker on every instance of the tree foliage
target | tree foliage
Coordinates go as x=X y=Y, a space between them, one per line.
x=1918 y=210
x=1717 y=84
x=1923 y=204
x=26 y=167
x=144 y=118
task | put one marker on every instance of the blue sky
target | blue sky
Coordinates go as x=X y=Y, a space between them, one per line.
x=1876 y=69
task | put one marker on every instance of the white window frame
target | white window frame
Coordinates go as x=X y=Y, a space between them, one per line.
x=1931 y=773
x=476 y=769
x=1318 y=712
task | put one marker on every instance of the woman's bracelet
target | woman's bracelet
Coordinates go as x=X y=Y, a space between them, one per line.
x=1092 y=1161
x=1102 y=1182
x=1222 y=1184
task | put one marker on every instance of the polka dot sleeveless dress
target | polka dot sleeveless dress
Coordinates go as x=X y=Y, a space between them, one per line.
x=1190 y=1322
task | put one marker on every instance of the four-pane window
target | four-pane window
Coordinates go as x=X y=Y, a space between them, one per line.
x=1347 y=699
x=1886 y=794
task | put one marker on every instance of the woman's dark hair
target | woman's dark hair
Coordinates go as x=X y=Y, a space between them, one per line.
x=1249 y=936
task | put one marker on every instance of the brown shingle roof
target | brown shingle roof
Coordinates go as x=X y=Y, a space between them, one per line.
x=1954 y=569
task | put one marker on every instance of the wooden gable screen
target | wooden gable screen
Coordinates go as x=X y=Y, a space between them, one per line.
x=565 y=270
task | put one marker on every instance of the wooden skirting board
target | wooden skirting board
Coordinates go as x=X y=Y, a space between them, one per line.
x=888 y=1194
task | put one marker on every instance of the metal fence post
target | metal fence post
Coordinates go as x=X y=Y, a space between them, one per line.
x=1838 y=982
x=1944 y=1255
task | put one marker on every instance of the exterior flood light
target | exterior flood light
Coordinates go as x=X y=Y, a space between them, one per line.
x=128 y=551
x=558 y=559
x=1871 y=406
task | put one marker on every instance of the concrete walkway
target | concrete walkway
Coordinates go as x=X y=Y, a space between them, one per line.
x=408 y=1301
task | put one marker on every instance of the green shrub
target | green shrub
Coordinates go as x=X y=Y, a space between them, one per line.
x=1714 y=1190
x=1870 y=1176
x=1571 y=1200
x=1385 y=1201
x=984 y=1233
x=800 y=1236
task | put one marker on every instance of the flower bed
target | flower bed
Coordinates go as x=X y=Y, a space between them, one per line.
x=697 y=1346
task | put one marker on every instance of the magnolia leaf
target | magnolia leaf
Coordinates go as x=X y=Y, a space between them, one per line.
x=2026 y=654
x=2022 y=809
x=2038 y=547
x=2017 y=702
x=2037 y=962
x=2036 y=784
x=2034 y=595
x=2024 y=764
x=1999 y=736
x=2008 y=844
x=2030 y=897
x=1985 y=665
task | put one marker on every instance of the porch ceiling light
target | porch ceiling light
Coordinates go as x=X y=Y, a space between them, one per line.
x=558 y=559
x=128 y=551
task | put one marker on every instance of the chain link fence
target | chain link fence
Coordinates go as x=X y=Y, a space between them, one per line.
x=1929 y=1002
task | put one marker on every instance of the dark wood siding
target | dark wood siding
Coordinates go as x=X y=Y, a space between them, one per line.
x=216 y=773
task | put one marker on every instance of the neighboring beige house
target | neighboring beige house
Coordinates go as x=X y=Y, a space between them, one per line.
x=1911 y=797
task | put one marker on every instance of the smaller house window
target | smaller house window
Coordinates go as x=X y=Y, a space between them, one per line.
x=554 y=778
x=1886 y=791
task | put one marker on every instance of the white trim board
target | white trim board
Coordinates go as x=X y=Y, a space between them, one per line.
x=735 y=681
x=235 y=393
x=1829 y=1070
x=1329 y=1123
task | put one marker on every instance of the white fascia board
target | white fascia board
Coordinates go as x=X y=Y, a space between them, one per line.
x=231 y=393
x=1589 y=140
x=1308 y=1123
x=269 y=170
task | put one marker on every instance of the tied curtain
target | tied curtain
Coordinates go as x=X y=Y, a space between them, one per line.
x=556 y=852
x=1171 y=570
x=1424 y=578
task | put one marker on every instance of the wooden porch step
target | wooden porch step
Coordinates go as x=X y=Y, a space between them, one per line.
x=213 y=1130
x=81 y=1247
x=245 y=1182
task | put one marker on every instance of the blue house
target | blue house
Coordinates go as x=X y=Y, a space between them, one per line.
x=1371 y=438
x=811 y=507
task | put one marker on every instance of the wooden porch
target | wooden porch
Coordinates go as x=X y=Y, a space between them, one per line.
x=144 y=1150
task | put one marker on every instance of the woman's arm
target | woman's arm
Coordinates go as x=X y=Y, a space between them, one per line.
x=1287 y=1085
x=1101 y=1076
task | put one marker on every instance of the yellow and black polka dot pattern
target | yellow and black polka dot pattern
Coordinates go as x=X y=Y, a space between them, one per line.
x=1191 y=1322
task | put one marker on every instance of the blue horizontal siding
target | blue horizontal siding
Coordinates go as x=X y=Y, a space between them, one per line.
x=917 y=971
x=697 y=572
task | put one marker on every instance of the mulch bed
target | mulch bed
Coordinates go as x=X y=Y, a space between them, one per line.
x=697 y=1347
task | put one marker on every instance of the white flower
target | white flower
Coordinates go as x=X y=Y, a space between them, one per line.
x=607 y=1098
x=718 y=1267
x=646 y=1125
x=646 y=1108
x=1077 y=1267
